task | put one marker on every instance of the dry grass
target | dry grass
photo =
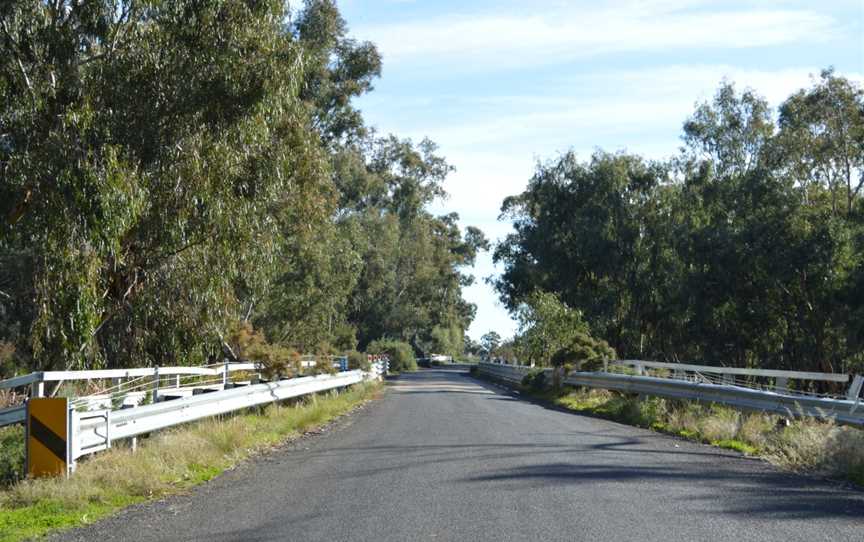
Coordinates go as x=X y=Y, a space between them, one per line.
x=756 y=429
x=8 y=398
x=820 y=447
x=803 y=445
x=719 y=424
x=169 y=462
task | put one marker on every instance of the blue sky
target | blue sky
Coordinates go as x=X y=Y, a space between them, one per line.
x=501 y=85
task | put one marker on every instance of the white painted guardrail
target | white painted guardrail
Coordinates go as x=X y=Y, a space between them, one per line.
x=37 y=380
x=94 y=422
x=689 y=382
x=95 y=431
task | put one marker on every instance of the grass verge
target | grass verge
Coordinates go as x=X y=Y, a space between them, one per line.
x=169 y=462
x=807 y=445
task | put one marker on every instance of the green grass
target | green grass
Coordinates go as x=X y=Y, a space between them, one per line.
x=737 y=445
x=50 y=515
x=169 y=462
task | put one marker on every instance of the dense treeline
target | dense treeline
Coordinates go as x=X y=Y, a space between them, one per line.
x=746 y=249
x=172 y=172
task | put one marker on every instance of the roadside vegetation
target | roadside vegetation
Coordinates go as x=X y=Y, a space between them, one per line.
x=400 y=354
x=177 y=177
x=745 y=248
x=805 y=445
x=167 y=463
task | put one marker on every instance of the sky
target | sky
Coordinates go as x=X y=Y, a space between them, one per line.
x=503 y=85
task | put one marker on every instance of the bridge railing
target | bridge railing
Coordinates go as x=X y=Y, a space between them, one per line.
x=752 y=389
x=125 y=403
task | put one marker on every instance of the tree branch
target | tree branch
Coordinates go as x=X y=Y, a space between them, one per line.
x=18 y=59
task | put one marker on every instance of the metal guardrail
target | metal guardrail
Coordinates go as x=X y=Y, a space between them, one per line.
x=640 y=366
x=36 y=381
x=91 y=430
x=849 y=409
x=13 y=415
x=511 y=374
x=97 y=430
x=132 y=386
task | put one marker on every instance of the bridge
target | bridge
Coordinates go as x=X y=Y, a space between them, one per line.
x=444 y=456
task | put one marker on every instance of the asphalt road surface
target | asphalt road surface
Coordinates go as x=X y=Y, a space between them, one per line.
x=445 y=457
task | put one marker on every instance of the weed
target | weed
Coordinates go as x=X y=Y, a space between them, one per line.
x=737 y=445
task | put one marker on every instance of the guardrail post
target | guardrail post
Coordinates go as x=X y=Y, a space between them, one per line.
x=225 y=376
x=37 y=389
x=156 y=384
x=781 y=384
x=855 y=388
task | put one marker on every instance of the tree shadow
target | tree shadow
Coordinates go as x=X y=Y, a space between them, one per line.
x=768 y=495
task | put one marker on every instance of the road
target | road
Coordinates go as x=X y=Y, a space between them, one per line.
x=445 y=457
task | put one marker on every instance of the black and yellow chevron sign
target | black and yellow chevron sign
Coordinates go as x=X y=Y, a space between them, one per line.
x=47 y=444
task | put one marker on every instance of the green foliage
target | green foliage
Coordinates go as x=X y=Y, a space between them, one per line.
x=168 y=169
x=133 y=203
x=11 y=454
x=583 y=353
x=400 y=353
x=324 y=365
x=745 y=250
x=277 y=361
x=535 y=381
x=410 y=284
x=358 y=360
x=490 y=341
x=550 y=332
x=8 y=361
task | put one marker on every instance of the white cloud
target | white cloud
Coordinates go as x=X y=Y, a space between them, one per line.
x=492 y=40
x=612 y=109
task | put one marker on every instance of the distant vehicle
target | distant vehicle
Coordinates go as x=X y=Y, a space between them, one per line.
x=434 y=359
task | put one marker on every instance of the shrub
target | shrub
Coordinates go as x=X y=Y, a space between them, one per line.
x=583 y=352
x=400 y=353
x=277 y=362
x=11 y=454
x=535 y=380
x=719 y=423
x=324 y=365
x=358 y=360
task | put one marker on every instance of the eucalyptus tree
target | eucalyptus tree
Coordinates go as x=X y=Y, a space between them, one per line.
x=490 y=341
x=150 y=152
x=745 y=249
x=821 y=140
